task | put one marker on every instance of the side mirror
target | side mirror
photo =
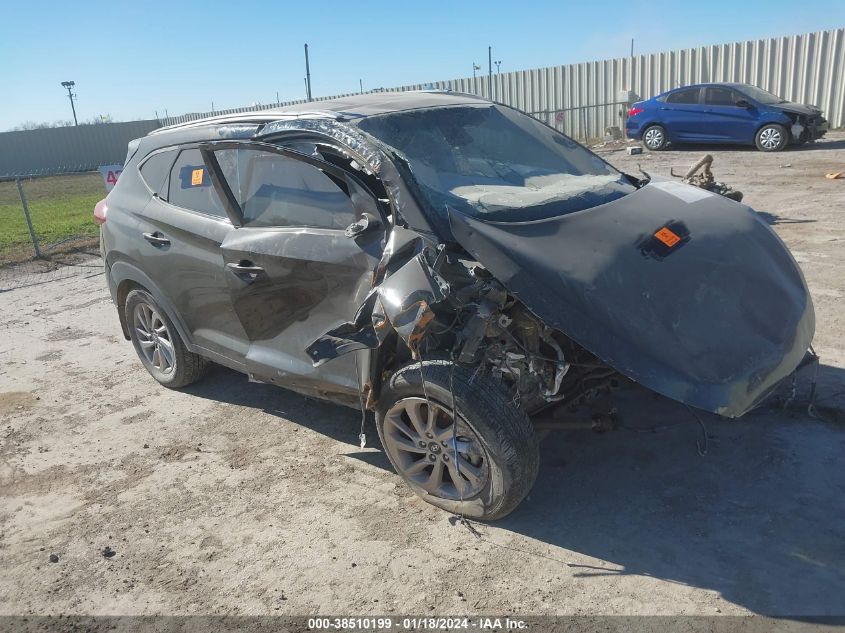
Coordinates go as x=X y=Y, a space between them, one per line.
x=742 y=103
x=367 y=222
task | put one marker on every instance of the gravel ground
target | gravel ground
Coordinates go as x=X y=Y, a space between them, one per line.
x=238 y=498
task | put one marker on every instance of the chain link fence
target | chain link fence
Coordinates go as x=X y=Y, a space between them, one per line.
x=582 y=122
x=47 y=230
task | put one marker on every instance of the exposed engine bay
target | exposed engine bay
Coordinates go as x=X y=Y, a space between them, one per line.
x=463 y=313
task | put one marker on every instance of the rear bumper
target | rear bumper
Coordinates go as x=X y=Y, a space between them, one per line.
x=633 y=130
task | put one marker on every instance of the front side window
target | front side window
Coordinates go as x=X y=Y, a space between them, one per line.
x=690 y=95
x=718 y=96
x=495 y=162
x=190 y=185
x=275 y=190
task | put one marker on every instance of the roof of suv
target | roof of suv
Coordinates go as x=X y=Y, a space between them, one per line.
x=353 y=107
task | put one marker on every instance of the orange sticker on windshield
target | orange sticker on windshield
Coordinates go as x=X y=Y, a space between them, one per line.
x=667 y=236
x=196 y=177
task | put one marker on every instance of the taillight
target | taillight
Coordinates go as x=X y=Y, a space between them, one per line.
x=100 y=211
x=634 y=111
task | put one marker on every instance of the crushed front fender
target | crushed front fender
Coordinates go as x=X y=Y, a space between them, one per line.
x=688 y=293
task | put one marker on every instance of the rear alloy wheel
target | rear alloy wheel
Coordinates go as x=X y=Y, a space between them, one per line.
x=159 y=345
x=654 y=138
x=479 y=461
x=771 y=138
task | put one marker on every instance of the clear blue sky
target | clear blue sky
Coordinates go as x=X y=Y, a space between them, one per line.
x=130 y=59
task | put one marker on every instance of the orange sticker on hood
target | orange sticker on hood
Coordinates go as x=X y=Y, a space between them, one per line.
x=667 y=236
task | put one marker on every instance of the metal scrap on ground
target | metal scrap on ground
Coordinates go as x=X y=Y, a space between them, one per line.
x=700 y=175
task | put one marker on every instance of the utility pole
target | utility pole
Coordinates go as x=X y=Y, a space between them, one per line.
x=307 y=76
x=490 y=71
x=361 y=86
x=69 y=85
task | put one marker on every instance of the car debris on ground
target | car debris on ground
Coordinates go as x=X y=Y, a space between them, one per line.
x=700 y=175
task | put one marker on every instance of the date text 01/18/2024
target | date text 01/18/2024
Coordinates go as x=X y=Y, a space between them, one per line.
x=416 y=624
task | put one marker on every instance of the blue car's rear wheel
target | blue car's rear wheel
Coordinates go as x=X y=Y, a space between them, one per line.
x=654 y=138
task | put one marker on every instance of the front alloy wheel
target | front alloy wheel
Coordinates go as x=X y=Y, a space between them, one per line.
x=429 y=449
x=479 y=461
x=771 y=138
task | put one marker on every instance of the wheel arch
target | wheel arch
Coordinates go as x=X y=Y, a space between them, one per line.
x=127 y=277
x=651 y=123
x=774 y=121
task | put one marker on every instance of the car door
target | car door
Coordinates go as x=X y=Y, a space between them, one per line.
x=681 y=114
x=182 y=228
x=294 y=270
x=727 y=121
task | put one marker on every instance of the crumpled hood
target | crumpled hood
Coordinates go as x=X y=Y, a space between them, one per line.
x=798 y=108
x=684 y=291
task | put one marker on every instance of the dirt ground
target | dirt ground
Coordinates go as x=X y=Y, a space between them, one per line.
x=238 y=498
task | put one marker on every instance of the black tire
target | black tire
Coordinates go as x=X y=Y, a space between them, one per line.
x=771 y=138
x=502 y=429
x=654 y=138
x=185 y=367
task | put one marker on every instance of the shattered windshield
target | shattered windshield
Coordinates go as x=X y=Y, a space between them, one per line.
x=494 y=162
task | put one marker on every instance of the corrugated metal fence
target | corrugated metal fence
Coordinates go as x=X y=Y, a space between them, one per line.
x=581 y=99
x=68 y=149
x=806 y=68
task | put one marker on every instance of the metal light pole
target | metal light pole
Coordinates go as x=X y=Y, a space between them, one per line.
x=498 y=66
x=69 y=85
x=307 y=75
x=490 y=71
x=361 y=85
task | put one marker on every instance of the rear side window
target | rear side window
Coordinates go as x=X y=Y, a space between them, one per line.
x=190 y=185
x=690 y=95
x=155 y=169
x=720 y=96
x=275 y=190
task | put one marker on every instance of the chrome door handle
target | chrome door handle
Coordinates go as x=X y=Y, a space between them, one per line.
x=245 y=270
x=156 y=239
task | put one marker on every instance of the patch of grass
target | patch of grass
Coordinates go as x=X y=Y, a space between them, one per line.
x=61 y=208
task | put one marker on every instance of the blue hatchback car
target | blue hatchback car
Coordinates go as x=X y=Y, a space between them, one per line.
x=723 y=113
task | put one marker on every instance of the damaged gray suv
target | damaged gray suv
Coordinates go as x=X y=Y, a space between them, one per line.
x=451 y=264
